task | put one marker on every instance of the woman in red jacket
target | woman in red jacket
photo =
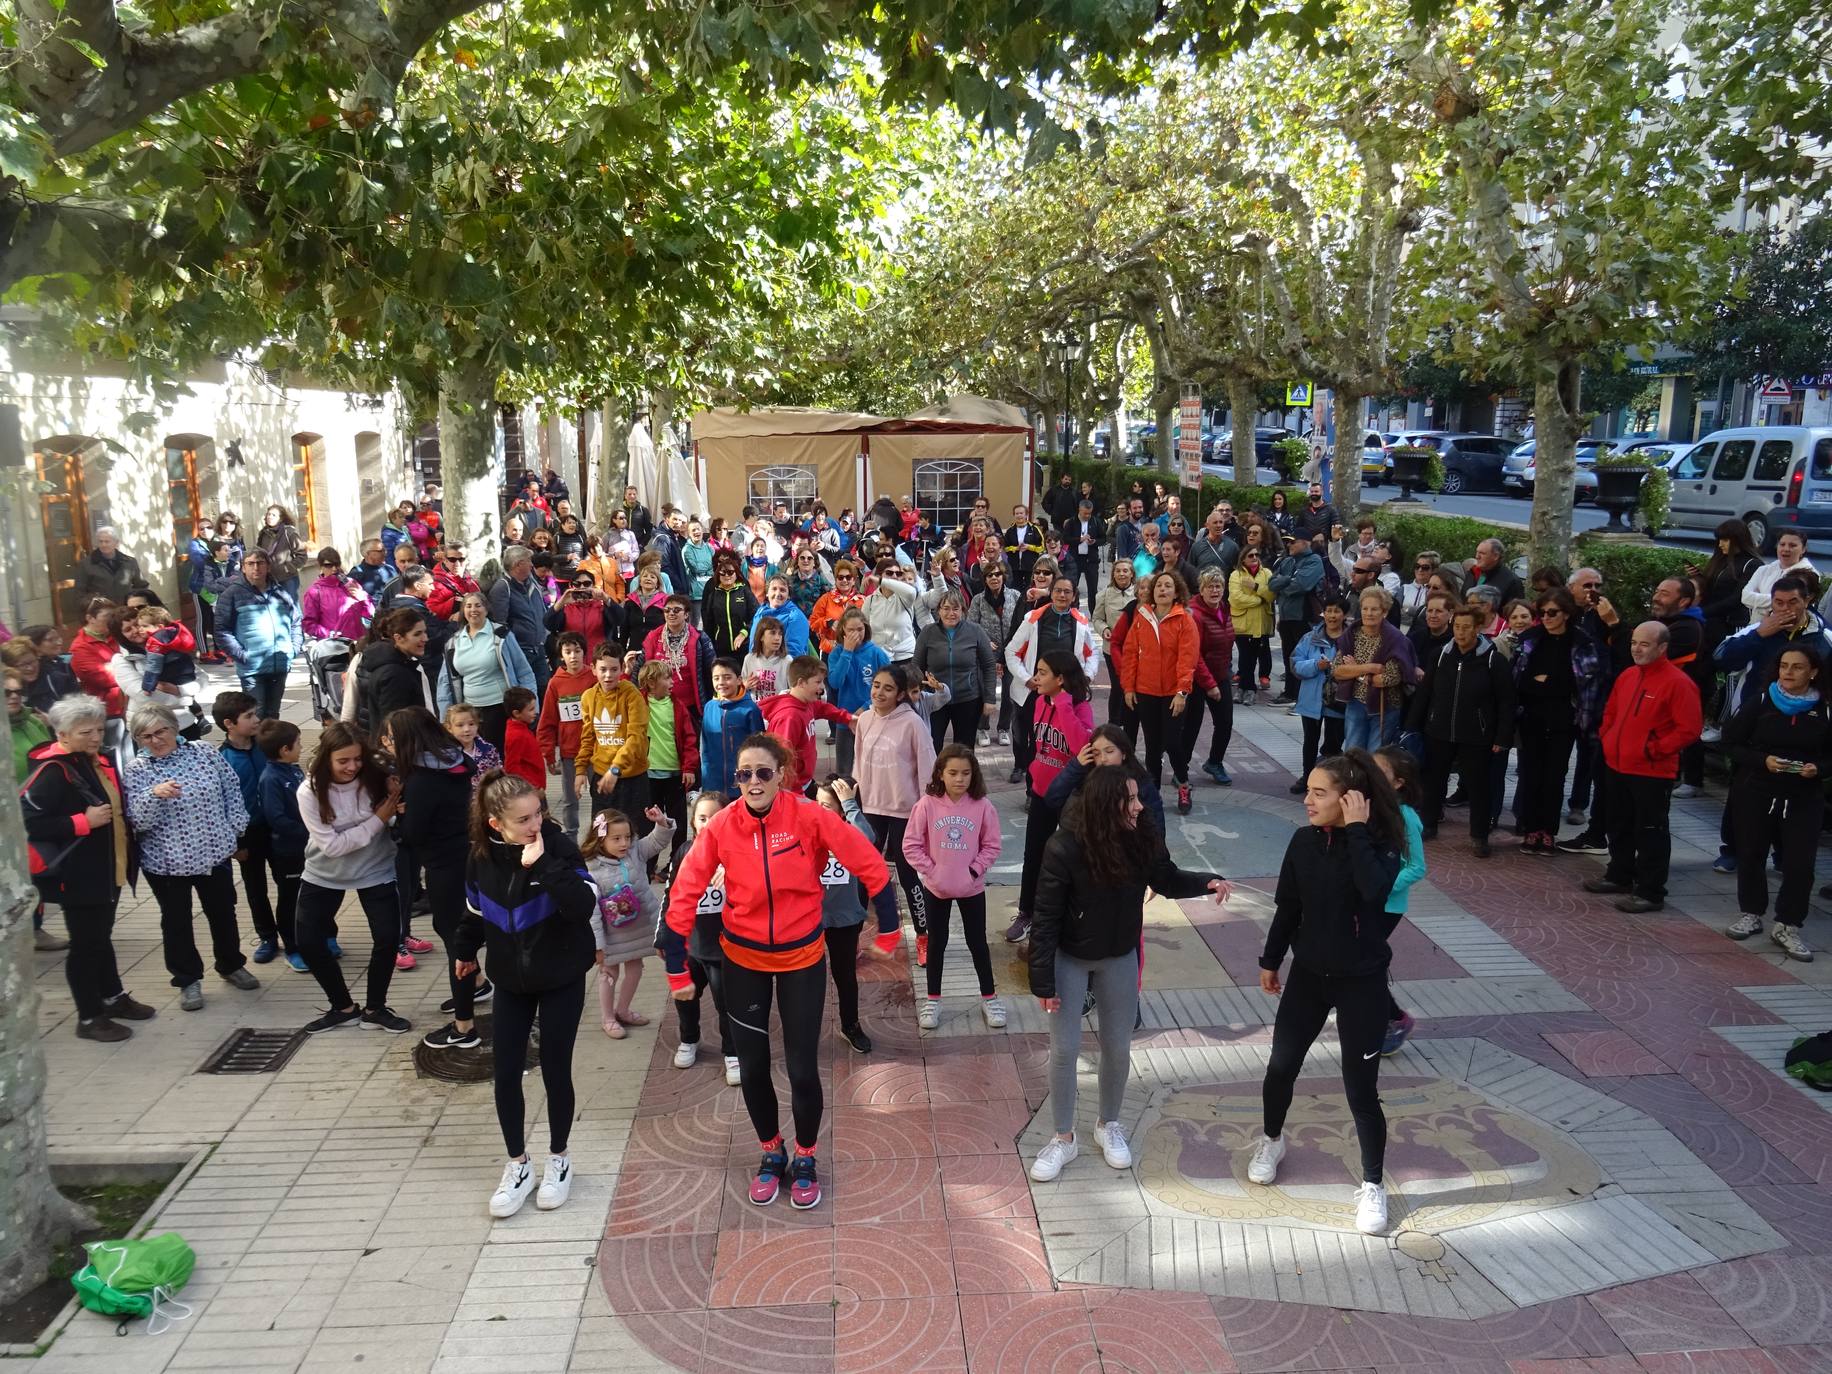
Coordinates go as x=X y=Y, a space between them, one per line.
x=773 y=846
x=1157 y=671
x=1215 y=650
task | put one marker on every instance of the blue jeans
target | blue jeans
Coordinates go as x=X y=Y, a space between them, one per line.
x=1362 y=730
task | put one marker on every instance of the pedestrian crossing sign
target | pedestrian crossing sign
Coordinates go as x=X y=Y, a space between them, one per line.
x=1298 y=393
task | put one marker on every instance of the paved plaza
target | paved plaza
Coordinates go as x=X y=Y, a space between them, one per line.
x=1595 y=1161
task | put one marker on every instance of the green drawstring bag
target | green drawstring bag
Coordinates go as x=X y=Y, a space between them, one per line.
x=136 y=1278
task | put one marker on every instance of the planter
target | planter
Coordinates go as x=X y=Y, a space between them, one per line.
x=1619 y=492
x=1409 y=466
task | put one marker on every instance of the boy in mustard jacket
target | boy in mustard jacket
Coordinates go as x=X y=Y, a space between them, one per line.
x=614 y=740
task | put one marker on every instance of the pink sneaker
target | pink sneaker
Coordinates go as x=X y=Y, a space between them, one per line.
x=804 y=1187
x=405 y=961
x=415 y=945
x=769 y=1177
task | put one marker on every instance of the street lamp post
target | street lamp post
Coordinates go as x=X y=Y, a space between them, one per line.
x=1070 y=346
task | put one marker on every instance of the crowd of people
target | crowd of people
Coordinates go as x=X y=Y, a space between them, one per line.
x=682 y=681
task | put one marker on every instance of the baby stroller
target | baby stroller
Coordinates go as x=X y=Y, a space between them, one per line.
x=326 y=662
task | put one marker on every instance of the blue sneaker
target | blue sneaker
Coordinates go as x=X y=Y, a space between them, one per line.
x=1397 y=1031
x=1219 y=774
x=1724 y=863
x=297 y=961
x=265 y=952
x=335 y=948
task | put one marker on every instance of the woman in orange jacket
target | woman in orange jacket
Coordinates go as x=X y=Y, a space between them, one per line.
x=1157 y=670
x=824 y=619
x=774 y=845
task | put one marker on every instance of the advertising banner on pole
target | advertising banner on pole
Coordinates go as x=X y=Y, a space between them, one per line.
x=1189 y=435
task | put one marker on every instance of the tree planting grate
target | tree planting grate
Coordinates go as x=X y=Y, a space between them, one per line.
x=254 y=1051
x=475 y=1065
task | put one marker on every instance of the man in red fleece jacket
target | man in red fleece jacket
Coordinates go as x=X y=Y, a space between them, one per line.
x=792 y=714
x=1652 y=714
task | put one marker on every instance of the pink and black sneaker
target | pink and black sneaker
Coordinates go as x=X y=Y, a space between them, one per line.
x=804 y=1187
x=769 y=1176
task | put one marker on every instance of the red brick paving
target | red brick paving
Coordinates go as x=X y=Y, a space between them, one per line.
x=925 y=1254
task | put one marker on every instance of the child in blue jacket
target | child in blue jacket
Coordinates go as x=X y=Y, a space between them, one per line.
x=277 y=797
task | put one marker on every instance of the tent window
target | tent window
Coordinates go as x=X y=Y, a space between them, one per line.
x=946 y=488
x=792 y=484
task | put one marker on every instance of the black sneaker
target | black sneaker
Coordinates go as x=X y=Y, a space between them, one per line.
x=384 y=1019
x=1581 y=844
x=333 y=1019
x=449 y=1037
x=1457 y=798
x=104 y=1030
x=483 y=994
x=857 y=1038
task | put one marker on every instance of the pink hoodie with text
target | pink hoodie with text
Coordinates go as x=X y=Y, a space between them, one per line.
x=952 y=844
x=1062 y=726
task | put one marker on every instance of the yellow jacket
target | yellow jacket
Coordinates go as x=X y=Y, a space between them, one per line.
x=1250 y=600
x=613 y=730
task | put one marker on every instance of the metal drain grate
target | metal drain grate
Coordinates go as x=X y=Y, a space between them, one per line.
x=254 y=1051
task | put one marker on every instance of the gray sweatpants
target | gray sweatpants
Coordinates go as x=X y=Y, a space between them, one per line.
x=1116 y=997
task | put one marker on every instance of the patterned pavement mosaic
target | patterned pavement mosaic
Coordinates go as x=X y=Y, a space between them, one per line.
x=1596 y=1165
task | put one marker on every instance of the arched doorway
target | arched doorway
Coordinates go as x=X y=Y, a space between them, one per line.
x=72 y=472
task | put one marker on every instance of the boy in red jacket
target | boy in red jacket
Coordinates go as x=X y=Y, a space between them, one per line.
x=557 y=731
x=1652 y=714
x=792 y=714
x=521 y=751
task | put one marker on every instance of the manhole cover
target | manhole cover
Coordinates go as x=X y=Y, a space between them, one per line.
x=474 y=1065
x=254 y=1051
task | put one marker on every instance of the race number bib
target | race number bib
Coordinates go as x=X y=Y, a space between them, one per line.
x=834 y=874
x=572 y=709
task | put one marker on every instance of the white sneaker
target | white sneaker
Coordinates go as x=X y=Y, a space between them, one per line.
x=1004 y=737
x=512 y=1192
x=1686 y=791
x=1264 y=1166
x=1111 y=1137
x=556 y=1183
x=1788 y=937
x=1052 y=1157
x=985 y=738
x=1710 y=735
x=685 y=1054
x=732 y=1076
x=930 y=1015
x=1744 y=926
x=994 y=1012
x=1371 y=1209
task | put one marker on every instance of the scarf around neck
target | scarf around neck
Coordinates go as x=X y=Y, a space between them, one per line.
x=1791 y=705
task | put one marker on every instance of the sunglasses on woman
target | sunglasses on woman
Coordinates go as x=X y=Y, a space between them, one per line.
x=744 y=775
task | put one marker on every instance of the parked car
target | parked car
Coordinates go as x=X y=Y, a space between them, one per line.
x=1262 y=477
x=1771 y=477
x=1377 y=456
x=1263 y=440
x=1472 y=462
x=1519 y=470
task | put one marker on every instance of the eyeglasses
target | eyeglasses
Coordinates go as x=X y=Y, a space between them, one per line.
x=454 y=558
x=1426 y=566
x=1545 y=611
x=674 y=610
x=15 y=691
x=148 y=736
x=582 y=586
x=744 y=775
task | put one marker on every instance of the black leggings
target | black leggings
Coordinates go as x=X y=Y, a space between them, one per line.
x=1164 y=734
x=1361 y=1004
x=1118 y=713
x=707 y=975
x=843 y=960
x=216 y=895
x=1544 y=755
x=1221 y=716
x=559 y=1009
x=801 y=997
x=1038 y=828
x=888 y=832
x=964 y=716
x=1255 y=660
x=973 y=928
x=286 y=869
x=445 y=890
x=1790 y=827
x=316 y=922
x=1329 y=728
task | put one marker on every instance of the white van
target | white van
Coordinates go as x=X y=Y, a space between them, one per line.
x=1771 y=477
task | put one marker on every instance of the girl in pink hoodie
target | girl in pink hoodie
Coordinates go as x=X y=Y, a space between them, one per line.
x=952 y=840
x=1062 y=723
x=893 y=759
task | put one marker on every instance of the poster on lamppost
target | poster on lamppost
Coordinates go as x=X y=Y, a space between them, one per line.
x=1189 y=435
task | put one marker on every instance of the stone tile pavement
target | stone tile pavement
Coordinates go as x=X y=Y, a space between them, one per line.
x=1595 y=1163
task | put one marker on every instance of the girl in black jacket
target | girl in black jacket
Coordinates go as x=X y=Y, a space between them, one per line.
x=1330 y=911
x=1085 y=930
x=530 y=902
x=1780 y=744
x=390 y=669
x=436 y=776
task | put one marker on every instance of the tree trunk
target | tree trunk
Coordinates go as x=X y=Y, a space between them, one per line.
x=1346 y=459
x=1557 y=422
x=1051 y=439
x=467 y=453
x=34 y=1216
x=1243 y=398
x=1167 y=436
x=613 y=460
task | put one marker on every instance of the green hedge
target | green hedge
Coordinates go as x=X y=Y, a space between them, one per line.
x=1112 y=480
x=1454 y=536
x=1632 y=571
